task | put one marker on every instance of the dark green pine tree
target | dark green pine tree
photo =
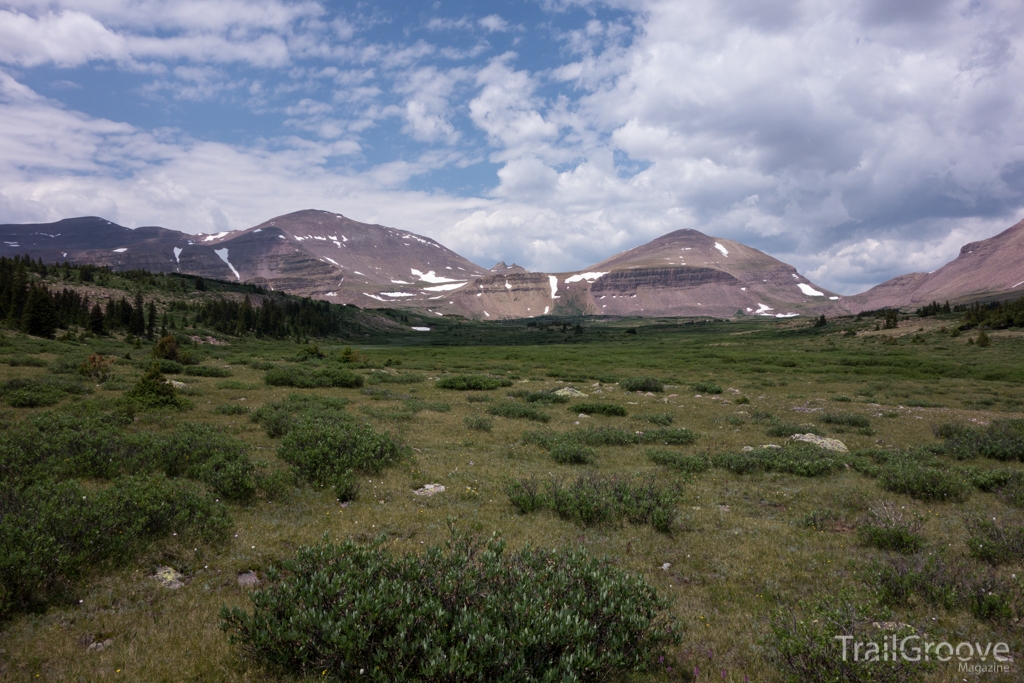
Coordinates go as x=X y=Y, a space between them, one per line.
x=163 y=325
x=137 y=321
x=96 y=319
x=39 y=317
x=150 y=320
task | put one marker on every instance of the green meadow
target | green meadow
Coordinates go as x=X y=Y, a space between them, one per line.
x=657 y=522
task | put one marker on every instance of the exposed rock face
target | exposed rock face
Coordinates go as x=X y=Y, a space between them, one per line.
x=328 y=256
x=990 y=267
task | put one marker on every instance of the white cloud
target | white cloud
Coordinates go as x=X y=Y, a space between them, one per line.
x=494 y=23
x=65 y=39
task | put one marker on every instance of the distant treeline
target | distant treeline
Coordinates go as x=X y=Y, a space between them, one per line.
x=996 y=315
x=28 y=305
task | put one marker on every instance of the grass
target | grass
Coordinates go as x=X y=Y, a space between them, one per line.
x=752 y=534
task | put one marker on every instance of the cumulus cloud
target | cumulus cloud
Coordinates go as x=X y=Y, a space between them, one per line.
x=856 y=139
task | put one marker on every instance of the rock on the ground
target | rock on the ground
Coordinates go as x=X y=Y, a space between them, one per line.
x=248 y=580
x=429 y=490
x=822 y=442
x=570 y=392
x=169 y=577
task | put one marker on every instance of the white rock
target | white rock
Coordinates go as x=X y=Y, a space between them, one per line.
x=822 y=442
x=429 y=490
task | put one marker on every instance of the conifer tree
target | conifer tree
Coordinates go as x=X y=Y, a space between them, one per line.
x=96 y=319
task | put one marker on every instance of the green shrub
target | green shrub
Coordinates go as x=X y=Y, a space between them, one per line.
x=472 y=382
x=522 y=411
x=462 y=613
x=782 y=429
x=478 y=398
x=22 y=360
x=592 y=499
x=996 y=543
x=804 y=643
x=951 y=585
x=67 y=365
x=924 y=483
x=525 y=495
x=571 y=452
x=382 y=394
x=819 y=520
x=707 y=388
x=29 y=393
x=598 y=409
x=383 y=377
x=54 y=534
x=662 y=419
x=277 y=418
x=546 y=396
x=846 y=420
x=326 y=450
x=312 y=377
x=605 y=436
x=153 y=391
x=801 y=459
x=232 y=409
x=207 y=371
x=642 y=384
x=479 y=423
x=415 y=405
x=168 y=367
x=690 y=464
x=886 y=529
x=670 y=436
x=1000 y=440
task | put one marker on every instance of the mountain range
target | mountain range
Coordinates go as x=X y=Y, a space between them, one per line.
x=327 y=256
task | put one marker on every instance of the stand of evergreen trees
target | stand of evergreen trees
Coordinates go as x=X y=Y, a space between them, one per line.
x=997 y=315
x=27 y=305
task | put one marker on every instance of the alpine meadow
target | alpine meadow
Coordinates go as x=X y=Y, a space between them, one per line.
x=206 y=480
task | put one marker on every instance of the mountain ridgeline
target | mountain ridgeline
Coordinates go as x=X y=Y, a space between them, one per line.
x=324 y=256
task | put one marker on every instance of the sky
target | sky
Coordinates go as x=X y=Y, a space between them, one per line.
x=855 y=140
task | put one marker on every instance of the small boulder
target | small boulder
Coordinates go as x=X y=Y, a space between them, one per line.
x=822 y=442
x=248 y=580
x=570 y=392
x=169 y=577
x=429 y=490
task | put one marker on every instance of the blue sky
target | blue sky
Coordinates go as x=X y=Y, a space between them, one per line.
x=857 y=140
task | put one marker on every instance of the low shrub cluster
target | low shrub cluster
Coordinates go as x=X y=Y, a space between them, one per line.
x=592 y=500
x=802 y=459
x=472 y=382
x=611 y=436
x=312 y=376
x=846 y=420
x=886 y=529
x=278 y=417
x=996 y=543
x=1000 y=440
x=598 y=409
x=37 y=393
x=467 y=612
x=952 y=584
x=689 y=464
x=55 y=533
x=60 y=446
x=384 y=377
x=329 y=451
x=661 y=419
x=543 y=396
x=153 y=391
x=479 y=423
x=803 y=642
x=642 y=384
x=519 y=411
x=707 y=388
x=916 y=472
x=207 y=371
